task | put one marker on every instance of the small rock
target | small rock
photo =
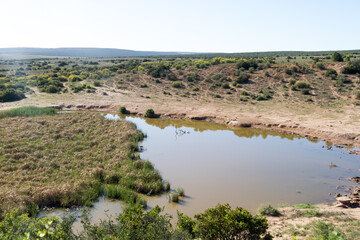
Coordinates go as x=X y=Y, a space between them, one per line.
x=344 y=200
x=340 y=205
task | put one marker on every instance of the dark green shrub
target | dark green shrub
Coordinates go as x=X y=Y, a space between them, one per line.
x=192 y=77
x=294 y=69
x=353 y=67
x=150 y=113
x=247 y=64
x=268 y=210
x=222 y=222
x=225 y=86
x=305 y=91
x=288 y=71
x=244 y=93
x=195 y=89
x=331 y=73
x=320 y=66
x=292 y=81
x=144 y=85
x=10 y=95
x=337 y=57
x=171 y=76
x=123 y=110
x=242 y=78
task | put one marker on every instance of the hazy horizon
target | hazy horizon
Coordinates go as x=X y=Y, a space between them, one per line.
x=203 y=26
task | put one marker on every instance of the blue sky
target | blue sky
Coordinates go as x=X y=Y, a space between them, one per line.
x=182 y=25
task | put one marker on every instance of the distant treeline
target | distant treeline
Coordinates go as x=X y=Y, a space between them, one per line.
x=265 y=54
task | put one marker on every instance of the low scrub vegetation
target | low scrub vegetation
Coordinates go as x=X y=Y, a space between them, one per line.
x=220 y=222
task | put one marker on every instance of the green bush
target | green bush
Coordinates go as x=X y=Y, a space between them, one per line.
x=320 y=66
x=244 y=93
x=331 y=73
x=123 y=110
x=302 y=85
x=288 y=71
x=177 y=85
x=337 y=57
x=75 y=78
x=10 y=95
x=192 y=77
x=242 y=78
x=305 y=91
x=225 y=86
x=247 y=64
x=222 y=222
x=150 y=113
x=20 y=226
x=353 y=67
x=268 y=210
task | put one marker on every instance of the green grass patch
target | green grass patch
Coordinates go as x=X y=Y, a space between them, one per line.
x=29 y=111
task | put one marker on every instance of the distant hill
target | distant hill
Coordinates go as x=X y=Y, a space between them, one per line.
x=114 y=52
x=81 y=52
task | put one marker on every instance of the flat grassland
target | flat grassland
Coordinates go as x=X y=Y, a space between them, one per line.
x=70 y=159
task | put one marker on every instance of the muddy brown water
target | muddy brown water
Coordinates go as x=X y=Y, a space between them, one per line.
x=244 y=167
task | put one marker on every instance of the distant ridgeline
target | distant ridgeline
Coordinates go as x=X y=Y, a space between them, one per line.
x=113 y=52
x=80 y=52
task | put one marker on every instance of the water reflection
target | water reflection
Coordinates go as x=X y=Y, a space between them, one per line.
x=241 y=166
x=201 y=126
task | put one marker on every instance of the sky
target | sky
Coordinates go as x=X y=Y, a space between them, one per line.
x=182 y=25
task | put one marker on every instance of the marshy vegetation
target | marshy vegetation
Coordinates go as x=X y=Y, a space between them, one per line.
x=30 y=111
x=70 y=159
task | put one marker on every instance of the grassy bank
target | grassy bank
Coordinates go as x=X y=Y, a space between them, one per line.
x=70 y=159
